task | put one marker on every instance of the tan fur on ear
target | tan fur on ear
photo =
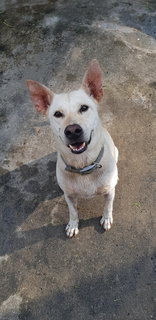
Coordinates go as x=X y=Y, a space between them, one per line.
x=92 y=81
x=40 y=95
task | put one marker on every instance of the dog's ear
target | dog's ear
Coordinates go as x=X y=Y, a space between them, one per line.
x=40 y=95
x=92 y=81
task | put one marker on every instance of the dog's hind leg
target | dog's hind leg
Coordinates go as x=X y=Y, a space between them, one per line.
x=72 y=226
x=107 y=217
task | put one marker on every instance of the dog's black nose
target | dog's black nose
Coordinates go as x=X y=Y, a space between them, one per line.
x=73 y=131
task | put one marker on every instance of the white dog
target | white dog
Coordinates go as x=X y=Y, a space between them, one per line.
x=87 y=157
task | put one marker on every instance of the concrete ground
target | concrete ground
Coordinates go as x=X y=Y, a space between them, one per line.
x=98 y=275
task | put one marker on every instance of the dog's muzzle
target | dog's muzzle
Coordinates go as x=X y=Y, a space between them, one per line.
x=75 y=136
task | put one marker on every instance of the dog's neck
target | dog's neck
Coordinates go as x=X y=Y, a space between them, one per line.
x=87 y=157
x=87 y=169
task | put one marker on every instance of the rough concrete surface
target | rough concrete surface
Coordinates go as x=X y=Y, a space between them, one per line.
x=98 y=275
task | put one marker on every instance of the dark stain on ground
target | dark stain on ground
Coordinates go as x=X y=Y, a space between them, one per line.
x=4 y=177
x=17 y=99
x=7 y=279
x=3 y=117
x=33 y=187
x=153 y=84
x=70 y=77
x=25 y=23
x=142 y=21
x=51 y=166
x=28 y=171
x=39 y=180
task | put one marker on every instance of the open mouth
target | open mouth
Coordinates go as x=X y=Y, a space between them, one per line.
x=78 y=147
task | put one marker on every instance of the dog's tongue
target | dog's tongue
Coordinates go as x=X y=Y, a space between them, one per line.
x=77 y=146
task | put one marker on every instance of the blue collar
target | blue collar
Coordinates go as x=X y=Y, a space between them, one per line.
x=88 y=169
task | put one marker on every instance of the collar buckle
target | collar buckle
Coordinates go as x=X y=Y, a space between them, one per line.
x=98 y=165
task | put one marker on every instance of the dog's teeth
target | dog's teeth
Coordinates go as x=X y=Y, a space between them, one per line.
x=74 y=148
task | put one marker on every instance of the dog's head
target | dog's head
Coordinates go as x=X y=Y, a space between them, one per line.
x=73 y=116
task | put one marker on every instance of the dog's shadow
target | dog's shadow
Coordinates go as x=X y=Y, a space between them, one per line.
x=32 y=206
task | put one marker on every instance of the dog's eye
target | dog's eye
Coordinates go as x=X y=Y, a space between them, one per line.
x=58 y=114
x=83 y=108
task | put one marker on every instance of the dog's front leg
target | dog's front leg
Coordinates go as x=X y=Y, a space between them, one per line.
x=72 y=226
x=107 y=217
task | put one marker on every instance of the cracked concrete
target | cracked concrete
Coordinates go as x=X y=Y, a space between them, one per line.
x=96 y=275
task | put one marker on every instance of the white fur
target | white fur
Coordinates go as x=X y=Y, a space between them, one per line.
x=101 y=181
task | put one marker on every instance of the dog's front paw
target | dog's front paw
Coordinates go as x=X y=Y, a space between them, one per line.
x=72 y=229
x=106 y=223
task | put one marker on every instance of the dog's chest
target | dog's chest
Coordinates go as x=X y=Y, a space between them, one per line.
x=84 y=186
